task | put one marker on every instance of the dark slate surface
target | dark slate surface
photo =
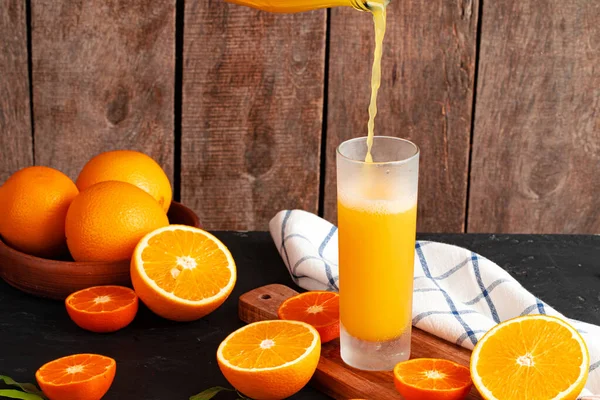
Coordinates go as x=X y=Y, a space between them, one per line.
x=157 y=359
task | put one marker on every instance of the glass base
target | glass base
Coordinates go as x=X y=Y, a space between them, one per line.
x=374 y=356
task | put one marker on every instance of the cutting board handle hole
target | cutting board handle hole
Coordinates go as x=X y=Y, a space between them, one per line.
x=265 y=296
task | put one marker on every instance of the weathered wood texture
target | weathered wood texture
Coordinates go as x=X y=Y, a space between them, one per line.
x=251 y=114
x=426 y=96
x=103 y=79
x=536 y=154
x=15 y=118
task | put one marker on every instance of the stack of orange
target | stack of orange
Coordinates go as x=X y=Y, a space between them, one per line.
x=119 y=197
x=118 y=205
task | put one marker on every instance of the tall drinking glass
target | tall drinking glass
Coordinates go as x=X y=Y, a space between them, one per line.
x=377 y=215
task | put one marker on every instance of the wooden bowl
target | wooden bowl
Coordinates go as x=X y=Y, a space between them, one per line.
x=58 y=279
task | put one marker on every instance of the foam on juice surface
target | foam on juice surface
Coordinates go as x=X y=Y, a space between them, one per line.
x=392 y=203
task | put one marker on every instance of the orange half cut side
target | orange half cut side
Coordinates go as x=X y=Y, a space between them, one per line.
x=533 y=357
x=77 y=377
x=102 y=308
x=182 y=273
x=318 y=308
x=271 y=359
x=435 y=379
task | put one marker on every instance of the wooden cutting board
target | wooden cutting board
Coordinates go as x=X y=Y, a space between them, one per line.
x=335 y=378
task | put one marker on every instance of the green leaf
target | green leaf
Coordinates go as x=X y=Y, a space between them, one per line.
x=17 y=394
x=210 y=393
x=26 y=387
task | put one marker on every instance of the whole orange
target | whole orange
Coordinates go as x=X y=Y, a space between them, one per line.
x=33 y=203
x=131 y=167
x=107 y=220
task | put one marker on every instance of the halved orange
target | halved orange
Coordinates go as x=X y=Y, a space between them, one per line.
x=533 y=357
x=77 y=377
x=432 y=379
x=319 y=309
x=270 y=360
x=102 y=308
x=182 y=273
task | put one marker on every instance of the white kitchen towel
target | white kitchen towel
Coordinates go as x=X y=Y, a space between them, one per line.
x=458 y=294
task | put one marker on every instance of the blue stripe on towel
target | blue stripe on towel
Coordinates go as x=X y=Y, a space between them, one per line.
x=424 y=290
x=295 y=235
x=528 y=310
x=488 y=290
x=426 y=314
x=455 y=312
x=447 y=273
x=330 y=277
x=484 y=292
x=594 y=366
x=464 y=336
x=332 y=281
x=300 y=261
x=540 y=306
x=285 y=221
x=326 y=240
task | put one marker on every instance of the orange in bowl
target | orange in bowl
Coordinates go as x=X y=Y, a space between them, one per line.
x=57 y=279
x=317 y=308
x=34 y=203
x=77 y=377
x=270 y=360
x=107 y=220
x=182 y=273
x=102 y=308
x=128 y=166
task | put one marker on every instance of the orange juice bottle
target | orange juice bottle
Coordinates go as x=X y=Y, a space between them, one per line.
x=293 y=6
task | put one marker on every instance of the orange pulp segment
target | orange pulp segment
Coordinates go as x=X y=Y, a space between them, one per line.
x=182 y=273
x=429 y=378
x=270 y=359
x=102 y=308
x=532 y=357
x=319 y=309
x=77 y=377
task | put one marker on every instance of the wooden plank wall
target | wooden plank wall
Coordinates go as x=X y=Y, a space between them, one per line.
x=536 y=155
x=103 y=79
x=244 y=109
x=16 y=150
x=252 y=113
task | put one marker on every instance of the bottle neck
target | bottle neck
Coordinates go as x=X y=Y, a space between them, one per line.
x=360 y=5
x=363 y=5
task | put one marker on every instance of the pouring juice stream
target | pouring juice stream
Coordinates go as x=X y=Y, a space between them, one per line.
x=379 y=18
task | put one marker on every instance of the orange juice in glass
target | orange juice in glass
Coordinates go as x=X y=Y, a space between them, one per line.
x=377 y=215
